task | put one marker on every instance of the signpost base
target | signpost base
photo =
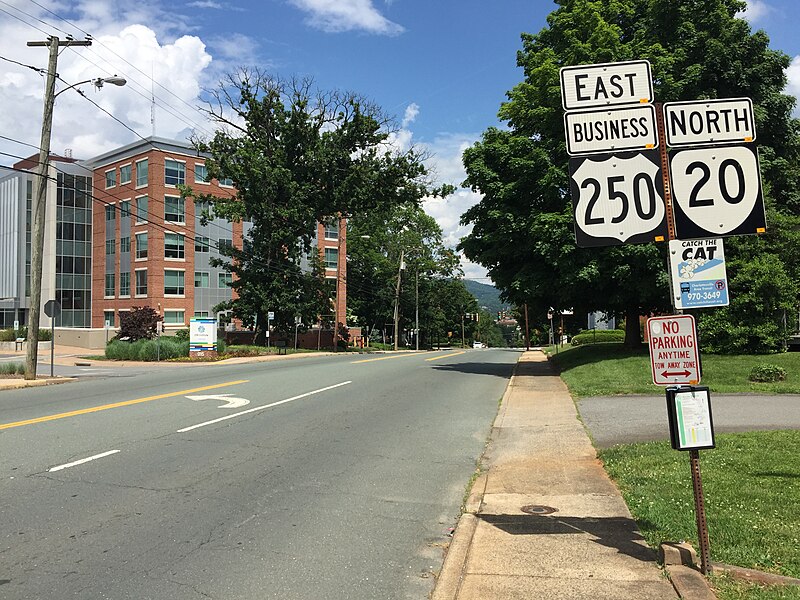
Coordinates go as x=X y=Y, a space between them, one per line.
x=700 y=512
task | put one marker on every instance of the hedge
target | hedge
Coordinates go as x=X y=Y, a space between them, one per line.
x=598 y=336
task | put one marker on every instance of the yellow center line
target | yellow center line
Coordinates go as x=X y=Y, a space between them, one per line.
x=385 y=357
x=447 y=355
x=85 y=411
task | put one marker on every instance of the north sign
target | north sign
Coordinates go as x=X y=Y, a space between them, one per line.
x=716 y=192
x=607 y=84
x=699 y=122
x=611 y=130
x=674 y=356
x=618 y=199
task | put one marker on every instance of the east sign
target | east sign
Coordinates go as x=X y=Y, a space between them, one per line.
x=607 y=84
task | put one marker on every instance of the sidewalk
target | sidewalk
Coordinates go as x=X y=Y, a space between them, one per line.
x=545 y=521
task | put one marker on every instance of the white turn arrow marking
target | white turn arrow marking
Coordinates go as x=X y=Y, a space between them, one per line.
x=231 y=402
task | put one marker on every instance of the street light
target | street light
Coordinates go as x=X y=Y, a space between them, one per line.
x=37 y=235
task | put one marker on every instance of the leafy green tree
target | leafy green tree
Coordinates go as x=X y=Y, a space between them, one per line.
x=376 y=241
x=522 y=228
x=297 y=156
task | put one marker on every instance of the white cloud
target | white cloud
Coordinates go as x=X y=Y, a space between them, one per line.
x=122 y=46
x=446 y=165
x=347 y=15
x=412 y=110
x=793 y=83
x=756 y=10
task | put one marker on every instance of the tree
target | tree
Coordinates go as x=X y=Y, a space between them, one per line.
x=522 y=228
x=138 y=323
x=375 y=244
x=297 y=157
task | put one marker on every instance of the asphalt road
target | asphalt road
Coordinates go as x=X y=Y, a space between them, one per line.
x=615 y=420
x=339 y=478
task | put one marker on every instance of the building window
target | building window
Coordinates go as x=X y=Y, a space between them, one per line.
x=173 y=283
x=110 y=247
x=174 y=317
x=141 y=209
x=141 y=172
x=226 y=182
x=141 y=245
x=124 y=208
x=201 y=244
x=224 y=244
x=108 y=317
x=331 y=258
x=124 y=244
x=201 y=314
x=111 y=178
x=174 y=172
x=141 y=282
x=332 y=230
x=224 y=280
x=124 y=174
x=125 y=284
x=109 y=289
x=200 y=207
x=202 y=279
x=200 y=173
x=110 y=212
x=173 y=245
x=174 y=209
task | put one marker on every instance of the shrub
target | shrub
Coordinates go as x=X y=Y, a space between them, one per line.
x=767 y=373
x=598 y=336
x=221 y=346
x=12 y=369
x=139 y=323
x=182 y=335
x=9 y=335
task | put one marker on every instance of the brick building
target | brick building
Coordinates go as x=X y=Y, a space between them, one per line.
x=149 y=247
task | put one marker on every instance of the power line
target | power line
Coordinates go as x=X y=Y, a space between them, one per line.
x=166 y=89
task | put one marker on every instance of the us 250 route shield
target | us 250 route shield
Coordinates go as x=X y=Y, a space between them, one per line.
x=618 y=199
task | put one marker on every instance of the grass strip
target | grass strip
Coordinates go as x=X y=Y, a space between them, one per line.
x=611 y=369
x=751 y=483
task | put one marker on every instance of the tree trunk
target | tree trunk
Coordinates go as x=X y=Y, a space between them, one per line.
x=633 y=333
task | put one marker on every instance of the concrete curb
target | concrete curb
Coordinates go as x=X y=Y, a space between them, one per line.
x=449 y=581
x=16 y=384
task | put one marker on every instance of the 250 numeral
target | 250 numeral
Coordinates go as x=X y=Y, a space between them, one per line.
x=642 y=182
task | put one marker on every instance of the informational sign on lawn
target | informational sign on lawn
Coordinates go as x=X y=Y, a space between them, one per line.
x=202 y=334
x=674 y=356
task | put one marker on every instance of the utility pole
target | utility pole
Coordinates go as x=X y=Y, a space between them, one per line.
x=40 y=200
x=397 y=297
x=416 y=310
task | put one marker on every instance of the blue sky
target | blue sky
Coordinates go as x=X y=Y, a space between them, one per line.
x=441 y=66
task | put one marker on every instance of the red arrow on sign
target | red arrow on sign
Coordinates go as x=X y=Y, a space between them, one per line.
x=674 y=374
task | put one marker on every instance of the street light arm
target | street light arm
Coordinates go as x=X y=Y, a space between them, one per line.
x=98 y=83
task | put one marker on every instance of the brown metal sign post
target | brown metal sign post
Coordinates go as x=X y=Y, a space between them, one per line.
x=700 y=512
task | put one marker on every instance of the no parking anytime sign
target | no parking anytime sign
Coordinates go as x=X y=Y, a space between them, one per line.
x=674 y=356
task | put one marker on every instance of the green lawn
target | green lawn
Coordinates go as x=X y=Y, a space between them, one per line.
x=751 y=483
x=609 y=369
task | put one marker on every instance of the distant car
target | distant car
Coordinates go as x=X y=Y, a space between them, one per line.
x=477 y=344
